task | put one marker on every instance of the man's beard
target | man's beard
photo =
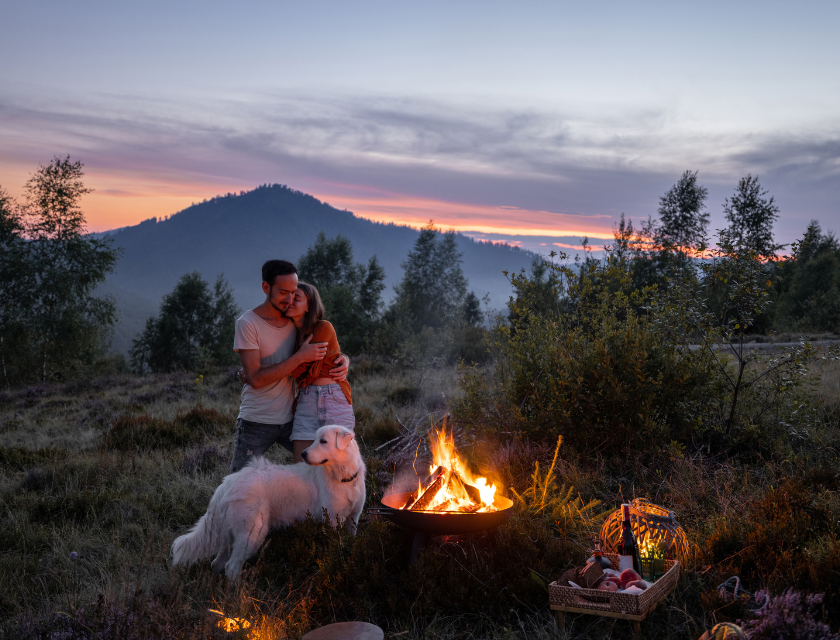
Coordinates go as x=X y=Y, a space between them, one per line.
x=281 y=311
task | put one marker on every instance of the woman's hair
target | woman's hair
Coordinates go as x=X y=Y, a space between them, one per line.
x=314 y=313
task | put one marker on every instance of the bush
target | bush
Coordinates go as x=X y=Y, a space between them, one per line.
x=404 y=395
x=588 y=355
x=600 y=371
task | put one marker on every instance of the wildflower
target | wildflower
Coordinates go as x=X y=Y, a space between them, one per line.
x=74 y=555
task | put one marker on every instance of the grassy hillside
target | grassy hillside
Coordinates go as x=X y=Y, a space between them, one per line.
x=114 y=468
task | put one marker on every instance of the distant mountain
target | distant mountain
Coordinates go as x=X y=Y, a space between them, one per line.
x=235 y=234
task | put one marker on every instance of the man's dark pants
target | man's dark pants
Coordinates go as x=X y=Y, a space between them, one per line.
x=254 y=439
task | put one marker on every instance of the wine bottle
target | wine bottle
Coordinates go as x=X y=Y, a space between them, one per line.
x=628 y=550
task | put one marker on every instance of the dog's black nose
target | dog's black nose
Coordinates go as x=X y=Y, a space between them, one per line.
x=305 y=456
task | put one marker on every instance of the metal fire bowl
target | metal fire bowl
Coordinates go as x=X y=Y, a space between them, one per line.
x=442 y=523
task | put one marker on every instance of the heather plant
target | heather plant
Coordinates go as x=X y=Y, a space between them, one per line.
x=791 y=616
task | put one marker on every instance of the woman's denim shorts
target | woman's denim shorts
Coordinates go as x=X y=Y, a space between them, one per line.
x=319 y=406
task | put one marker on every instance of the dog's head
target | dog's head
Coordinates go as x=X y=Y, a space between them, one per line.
x=332 y=444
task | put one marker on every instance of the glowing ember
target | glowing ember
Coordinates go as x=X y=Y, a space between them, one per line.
x=230 y=625
x=450 y=486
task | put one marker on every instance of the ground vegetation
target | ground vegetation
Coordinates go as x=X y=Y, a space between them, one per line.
x=98 y=477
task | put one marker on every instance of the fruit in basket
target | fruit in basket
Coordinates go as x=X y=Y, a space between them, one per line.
x=607 y=585
x=627 y=576
x=641 y=584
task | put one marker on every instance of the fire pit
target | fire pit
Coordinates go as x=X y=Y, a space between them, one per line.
x=449 y=501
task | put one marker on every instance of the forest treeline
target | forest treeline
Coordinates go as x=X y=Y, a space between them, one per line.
x=53 y=327
x=432 y=318
x=804 y=291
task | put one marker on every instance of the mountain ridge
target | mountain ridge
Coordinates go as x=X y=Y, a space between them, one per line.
x=234 y=234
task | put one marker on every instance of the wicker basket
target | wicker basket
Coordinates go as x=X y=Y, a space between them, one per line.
x=612 y=603
x=649 y=522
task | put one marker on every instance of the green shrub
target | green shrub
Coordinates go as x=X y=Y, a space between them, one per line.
x=610 y=366
x=365 y=367
x=600 y=371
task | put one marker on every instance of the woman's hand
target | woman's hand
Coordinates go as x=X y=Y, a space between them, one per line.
x=339 y=372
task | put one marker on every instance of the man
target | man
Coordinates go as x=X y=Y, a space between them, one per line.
x=265 y=341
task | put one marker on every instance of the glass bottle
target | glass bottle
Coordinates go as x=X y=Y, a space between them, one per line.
x=598 y=555
x=628 y=549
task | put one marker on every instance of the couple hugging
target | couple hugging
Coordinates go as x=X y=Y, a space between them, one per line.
x=284 y=341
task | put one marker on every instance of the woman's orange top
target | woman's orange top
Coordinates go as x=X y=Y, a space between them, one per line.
x=309 y=371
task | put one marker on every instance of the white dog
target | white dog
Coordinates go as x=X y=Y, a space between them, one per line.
x=262 y=496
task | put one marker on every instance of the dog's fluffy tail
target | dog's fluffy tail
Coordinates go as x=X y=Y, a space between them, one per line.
x=197 y=544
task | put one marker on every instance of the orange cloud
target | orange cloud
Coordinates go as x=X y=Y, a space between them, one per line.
x=576 y=247
x=119 y=200
x=416 y=212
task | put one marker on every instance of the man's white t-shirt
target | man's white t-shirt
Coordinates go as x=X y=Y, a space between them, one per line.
x=271 y=404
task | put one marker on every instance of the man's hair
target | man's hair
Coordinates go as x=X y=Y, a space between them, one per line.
x=315 y=312
x=274 y=268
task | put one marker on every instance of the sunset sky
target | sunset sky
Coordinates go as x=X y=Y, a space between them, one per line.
x=534 y=123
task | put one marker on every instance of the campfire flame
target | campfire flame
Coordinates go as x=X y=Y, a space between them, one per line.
x=450 y=486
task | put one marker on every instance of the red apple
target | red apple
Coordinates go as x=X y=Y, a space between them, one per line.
x=607 y=585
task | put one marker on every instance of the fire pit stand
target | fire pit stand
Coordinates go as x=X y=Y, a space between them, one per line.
x=428 y=523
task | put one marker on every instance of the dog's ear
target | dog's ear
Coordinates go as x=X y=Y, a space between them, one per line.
x=342 y=438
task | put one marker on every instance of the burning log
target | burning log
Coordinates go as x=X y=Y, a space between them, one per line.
x=433 y=476
x=472 y=493
x=428 y=495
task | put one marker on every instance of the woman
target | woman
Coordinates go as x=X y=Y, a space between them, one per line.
x=320 y=399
